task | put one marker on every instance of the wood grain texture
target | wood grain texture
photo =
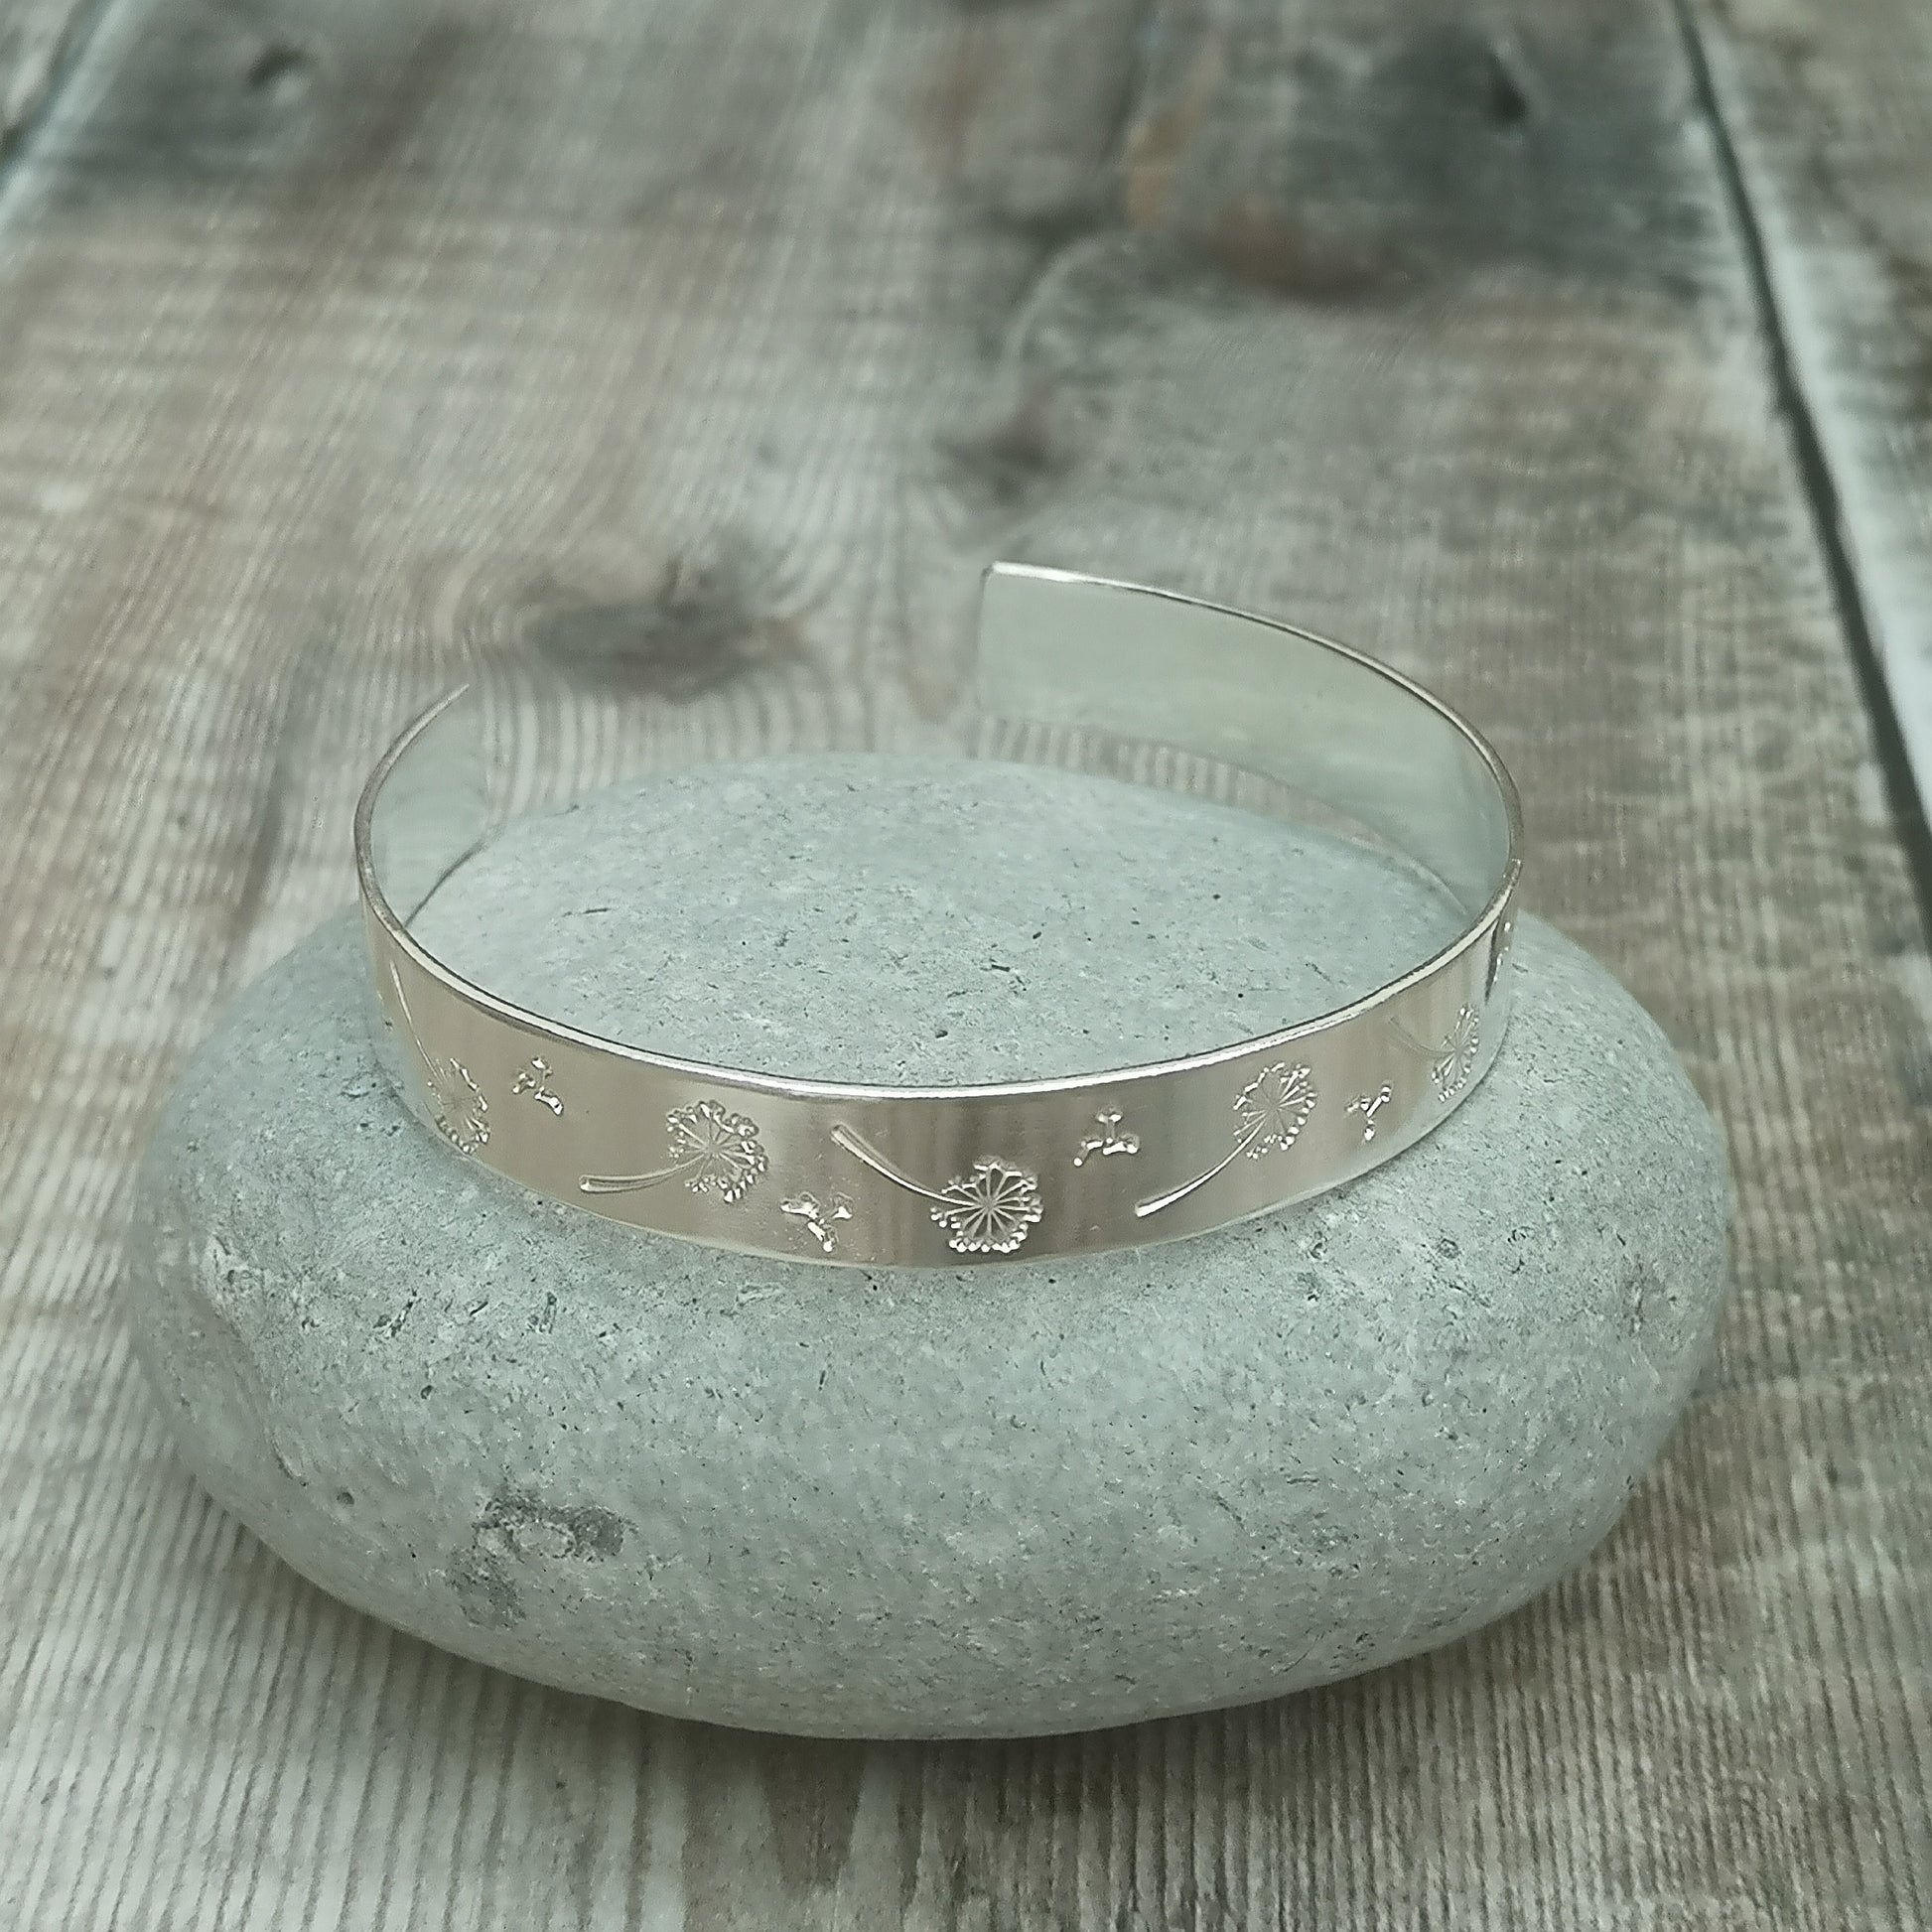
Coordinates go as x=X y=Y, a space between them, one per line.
x=709 y=347
x=1830 y=113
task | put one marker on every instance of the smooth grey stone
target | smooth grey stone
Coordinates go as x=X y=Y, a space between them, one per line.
x=1006 y=1500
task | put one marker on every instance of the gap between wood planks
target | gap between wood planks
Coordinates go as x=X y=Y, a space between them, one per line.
x=1821 y=489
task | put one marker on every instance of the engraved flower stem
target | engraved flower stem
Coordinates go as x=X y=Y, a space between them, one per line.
x=631 y=1183
x=1156 y=1202
x=409 y=1026
x=878 y=1163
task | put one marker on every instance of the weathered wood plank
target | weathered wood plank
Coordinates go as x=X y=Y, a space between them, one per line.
x=1830 y=113
x=35 y=35
x=715 y=345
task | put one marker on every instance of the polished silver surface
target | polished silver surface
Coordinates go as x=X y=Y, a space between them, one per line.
x=872 y=1176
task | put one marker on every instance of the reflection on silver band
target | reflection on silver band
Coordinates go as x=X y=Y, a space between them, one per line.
x=873 y=1176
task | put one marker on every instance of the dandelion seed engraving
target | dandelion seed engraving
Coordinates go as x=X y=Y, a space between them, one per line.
x=712 y=1150
x=985 y=1211
x=1273 y=1109
x=1455 y=1058
x=818 y=1216
x=1109 y=1139
x=457 y=1103
x=1368 y=1105
x=535 y=1080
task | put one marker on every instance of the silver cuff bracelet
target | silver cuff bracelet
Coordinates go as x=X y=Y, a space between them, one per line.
x=921 y=1177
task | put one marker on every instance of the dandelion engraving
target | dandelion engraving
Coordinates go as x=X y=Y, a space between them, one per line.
x=1108 y=1137
x=1273 y=1107
x=986 y=1211
x=820 y=1217
x=457 y=1103
x=712 y=1150
x=535 y=1080
x=1271 y=1110
x=1455 y=1058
